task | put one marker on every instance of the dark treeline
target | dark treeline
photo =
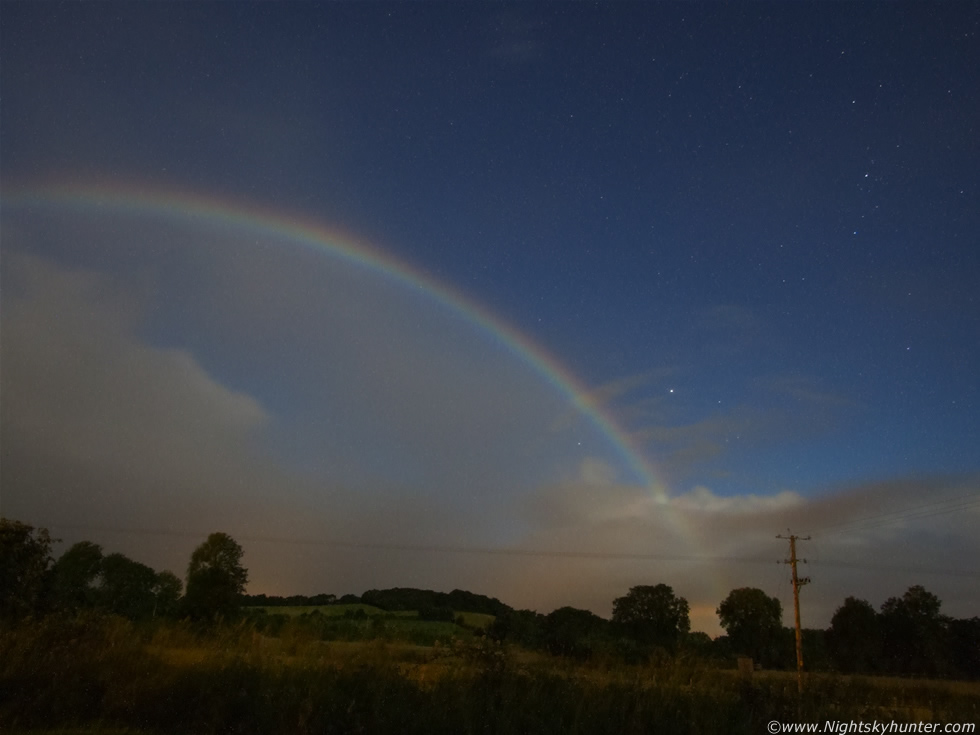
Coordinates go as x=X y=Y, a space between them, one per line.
x=907 y=636
x=392 y=600
x=405 y=598
x=85 y=579
x=297 y=600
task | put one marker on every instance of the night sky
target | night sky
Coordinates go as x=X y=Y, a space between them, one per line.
x=540 y=300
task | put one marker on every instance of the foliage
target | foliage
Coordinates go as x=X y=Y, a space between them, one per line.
x=298 y=631
x=128 y=587
x=336 y=610
x=854 y=638
x=908 y=636
x=96 y=672
x=913 y=633
x=964 y=647
x=439 y=614
x=409 y=598
x=653 y=616
x=166 y=591
x=816 y=656
x=475 y=620
x=569 y=631
x=753 y=621
x=25 y=556
x=75 y=577
x=290 y=601
x=523 y=627
x=698 y=644
x=475 y=603
x=216 y=578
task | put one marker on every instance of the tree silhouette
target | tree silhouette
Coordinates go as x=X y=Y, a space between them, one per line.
x=166 y=590
x=753 y=621
x=964 y=647
x=127 y=587
x=913 y=632
x=216 y=578
x=653 y=615
x=569 y=631
x=854 y=637
x=25 y=556
x=75 y=577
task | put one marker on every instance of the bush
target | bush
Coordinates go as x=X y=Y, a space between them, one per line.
x=436 y=614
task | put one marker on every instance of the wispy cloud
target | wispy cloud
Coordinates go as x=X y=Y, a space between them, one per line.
x=139 y=447
x=808 y=390
x=627 y=397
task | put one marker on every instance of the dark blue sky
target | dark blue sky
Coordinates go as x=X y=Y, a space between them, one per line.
x=752 y=230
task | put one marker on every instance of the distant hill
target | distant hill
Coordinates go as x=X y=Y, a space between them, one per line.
x=408 y=598
x=392 y=600
x=292 y=600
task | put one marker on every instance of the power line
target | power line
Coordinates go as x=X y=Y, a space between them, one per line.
x=942 y=506
x=927 y=510
x=429 y=548
x=511 y=551
x=941 y=571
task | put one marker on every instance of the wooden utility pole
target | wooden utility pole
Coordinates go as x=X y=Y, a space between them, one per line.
x=797 y=583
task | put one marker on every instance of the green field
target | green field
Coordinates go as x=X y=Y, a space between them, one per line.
x=470 y=619
x=476 y=620
x=331 y=610
x=359 y=622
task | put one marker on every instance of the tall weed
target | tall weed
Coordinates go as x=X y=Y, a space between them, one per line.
x=105 y=673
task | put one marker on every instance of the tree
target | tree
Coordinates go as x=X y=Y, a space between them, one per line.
x=698 y=643
x=75 y=577
x=166 y=592
x=753 y=621
x=569 y=631
x=854 y=637
x=653 y=615
x=216 y=578
x=25 y=556
x=816 y=656
x=127 y=587
x=964 y=647
x=524 y=627
x=913 y=632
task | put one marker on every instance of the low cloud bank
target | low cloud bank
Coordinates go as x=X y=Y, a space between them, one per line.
x=109 y=437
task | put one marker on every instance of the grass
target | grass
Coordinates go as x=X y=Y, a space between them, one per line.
x=96 y=730
x=106 y=676
x=477 y=621
x=474 y=620
x=329 y=610
x=298 y=625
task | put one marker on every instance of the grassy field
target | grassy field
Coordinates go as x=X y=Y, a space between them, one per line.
x=105 y=675
x=330 y=610
x=478 y=621
x=470 y=619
